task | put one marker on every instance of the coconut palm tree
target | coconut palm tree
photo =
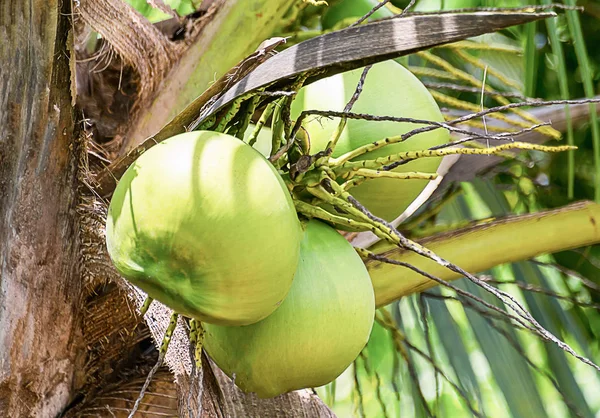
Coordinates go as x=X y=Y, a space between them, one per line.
x=86 y=83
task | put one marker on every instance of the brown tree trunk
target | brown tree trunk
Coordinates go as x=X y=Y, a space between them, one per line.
x=49 y=323
x=39 y=284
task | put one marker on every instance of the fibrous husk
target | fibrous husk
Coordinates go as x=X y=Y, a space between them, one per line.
x=122 y=60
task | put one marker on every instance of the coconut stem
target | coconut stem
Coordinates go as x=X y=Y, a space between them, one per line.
x=161 y=356
x=282 y=125
x=392 y=161
x=247 y=112
x=311 y=211
x=146 y=305
x=411 y=175
x=277 y=125
x=357 y=178
x=266 y=114
x=197 y=341
x=208 y=123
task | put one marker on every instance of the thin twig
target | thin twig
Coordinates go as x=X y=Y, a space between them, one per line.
x=277 y=93
x=466 y=303
x=155 y=368
x=357 y=92
x=572 y=273
x=161 y=356
x=447 y=124
x=359 y=88
x=467 y=89
x=507 y=136
x=489 y=319
x=447 y=284
x=536 y=289
x=407 y=8
x=373 y=10
x=508 y=299
x=431 y=125
x=534 y=366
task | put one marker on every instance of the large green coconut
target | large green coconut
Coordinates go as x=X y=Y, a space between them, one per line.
x=389 y=90
x=316 y=333
x=203 y=223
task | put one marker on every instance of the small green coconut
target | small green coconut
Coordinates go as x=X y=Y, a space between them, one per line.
x=316 y=333
x=204 y=224
x=389 y=90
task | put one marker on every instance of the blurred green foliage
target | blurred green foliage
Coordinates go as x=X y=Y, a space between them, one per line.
x=154 y=15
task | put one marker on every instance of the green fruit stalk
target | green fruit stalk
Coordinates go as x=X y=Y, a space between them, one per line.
x=204 y=224
x=316 y=333
x=263 y=140
x=389 y=90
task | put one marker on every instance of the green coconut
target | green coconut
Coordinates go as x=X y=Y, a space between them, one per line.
x=203 y=223
x=316 y=333
x=389 y=90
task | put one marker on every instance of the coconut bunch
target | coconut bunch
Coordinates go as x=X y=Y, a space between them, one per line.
x=246 y=245
x=235 y=225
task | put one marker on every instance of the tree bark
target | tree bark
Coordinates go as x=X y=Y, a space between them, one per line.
x=39 y=284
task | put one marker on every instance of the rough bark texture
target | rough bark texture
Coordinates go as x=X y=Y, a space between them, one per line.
x=138 y=43
x=301 y=403
x=39 y=285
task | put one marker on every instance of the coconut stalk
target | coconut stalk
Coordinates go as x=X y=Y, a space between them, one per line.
x=484 y=245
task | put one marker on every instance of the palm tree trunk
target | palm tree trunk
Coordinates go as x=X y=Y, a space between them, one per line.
x=40 y=288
